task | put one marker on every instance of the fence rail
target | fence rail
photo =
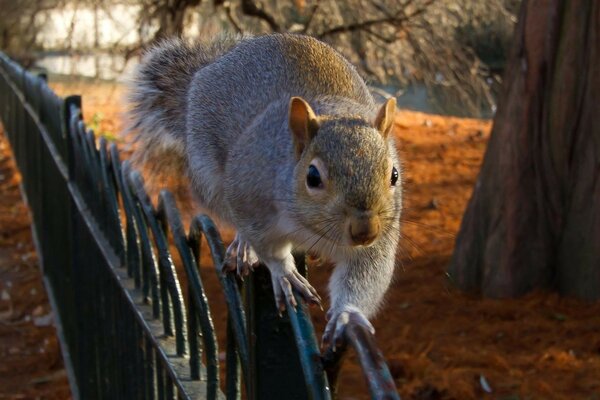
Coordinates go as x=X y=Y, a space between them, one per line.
x=125 y=329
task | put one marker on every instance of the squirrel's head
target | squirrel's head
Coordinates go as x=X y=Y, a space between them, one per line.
x=347 y=175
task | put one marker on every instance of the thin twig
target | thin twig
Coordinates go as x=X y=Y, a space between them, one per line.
x=231 y=18
x=313 y=11
x=396 y=20
x=253 y=10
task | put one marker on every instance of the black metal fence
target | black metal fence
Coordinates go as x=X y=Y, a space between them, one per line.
x=126 y=331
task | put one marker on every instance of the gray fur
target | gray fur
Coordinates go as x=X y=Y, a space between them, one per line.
x=240 y=155
x=158 y=91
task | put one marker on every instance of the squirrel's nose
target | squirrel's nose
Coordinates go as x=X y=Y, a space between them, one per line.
x=364 y=228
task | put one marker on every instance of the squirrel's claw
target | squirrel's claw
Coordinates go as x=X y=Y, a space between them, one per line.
x=308 y=292
x=251 y=259
x=228 y=260
x=334 y=334
x=243 y=267
x=283 y=286
x=240 y=257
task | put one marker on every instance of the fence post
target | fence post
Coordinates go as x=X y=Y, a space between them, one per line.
x=275 y=370
x=66 y=303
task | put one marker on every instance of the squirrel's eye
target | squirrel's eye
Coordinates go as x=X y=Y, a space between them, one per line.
x=313 y=177
x=394 y=176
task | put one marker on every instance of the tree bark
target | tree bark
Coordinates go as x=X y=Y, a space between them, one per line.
x=533 y=220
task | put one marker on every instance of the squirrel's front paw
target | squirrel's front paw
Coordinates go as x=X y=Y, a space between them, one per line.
x=283 y=282
x=337 y=322
x=240 y=256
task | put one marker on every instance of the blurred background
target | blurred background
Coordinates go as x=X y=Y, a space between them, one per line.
x=443 y=56
x=496 y=302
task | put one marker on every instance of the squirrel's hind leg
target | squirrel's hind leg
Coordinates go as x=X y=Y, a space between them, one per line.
x=240 y=257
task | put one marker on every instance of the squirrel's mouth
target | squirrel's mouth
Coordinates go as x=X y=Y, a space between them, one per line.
x=363 y=240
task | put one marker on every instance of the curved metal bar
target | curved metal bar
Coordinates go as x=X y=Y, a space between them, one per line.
x=308 y=350
x=203 y=224
x=165 y=263
x=87 y=168
x=332 y=362
x=232 y=365
x=74 y=116
x=90 y=138
x=375 y=370
x=96 y=194
x=84 y=163
x=132 y=242
x=74 y=141
x=82 y=158
x=117 y=236
x=80 y=133
x=198 y=301
x=149 y=263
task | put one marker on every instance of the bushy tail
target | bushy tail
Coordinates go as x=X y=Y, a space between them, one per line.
x=158 y=91
x=157 y=97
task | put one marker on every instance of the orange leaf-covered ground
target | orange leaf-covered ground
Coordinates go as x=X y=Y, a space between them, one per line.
x=30 y=362
x=440 y=343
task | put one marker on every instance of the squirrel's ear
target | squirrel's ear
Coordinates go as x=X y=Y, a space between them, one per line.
x=385 y=117
x=303 y=124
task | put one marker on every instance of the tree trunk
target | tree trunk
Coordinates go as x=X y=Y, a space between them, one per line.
x=533 y=220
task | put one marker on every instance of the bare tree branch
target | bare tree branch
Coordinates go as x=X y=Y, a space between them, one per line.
x=450 y=46
x=231 y=18
x=311 y=16
x=384 y=39
x=396 y=20
x=363 y=25
x=253 y=10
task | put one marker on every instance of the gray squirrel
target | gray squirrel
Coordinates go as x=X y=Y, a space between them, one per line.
x=280 y=138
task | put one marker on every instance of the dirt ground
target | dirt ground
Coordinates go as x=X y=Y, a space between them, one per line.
x=440 y=343
x=30 y=361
